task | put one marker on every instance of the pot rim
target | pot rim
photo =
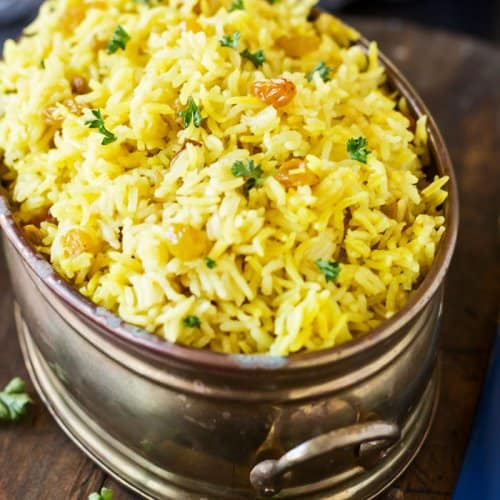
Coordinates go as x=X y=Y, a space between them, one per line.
x=149 y=343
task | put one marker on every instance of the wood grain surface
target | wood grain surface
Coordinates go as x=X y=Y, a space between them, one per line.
x=460 y=80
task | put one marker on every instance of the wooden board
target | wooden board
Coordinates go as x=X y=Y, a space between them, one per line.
x=459 y=79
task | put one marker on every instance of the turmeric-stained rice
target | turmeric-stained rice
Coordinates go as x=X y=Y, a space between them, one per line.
x=228 y=175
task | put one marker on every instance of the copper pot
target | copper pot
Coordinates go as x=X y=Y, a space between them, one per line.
x=173 y=422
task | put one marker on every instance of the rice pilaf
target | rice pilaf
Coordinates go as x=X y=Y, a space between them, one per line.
x=228 y=175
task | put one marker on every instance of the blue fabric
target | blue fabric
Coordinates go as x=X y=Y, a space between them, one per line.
x=480 y=475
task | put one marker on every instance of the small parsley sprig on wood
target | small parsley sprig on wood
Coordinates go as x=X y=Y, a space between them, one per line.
x=191 y=114
x=250 y=171
x=356 y=147
x=104 y=494
x=14 y=400
x=329 y=268
x=231 y=41
x=236 y=5
x=98 y=123
x=119 y=40
x=323 y=70
x=192 y=322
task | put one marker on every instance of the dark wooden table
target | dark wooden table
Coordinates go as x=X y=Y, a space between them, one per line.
x=460 y=80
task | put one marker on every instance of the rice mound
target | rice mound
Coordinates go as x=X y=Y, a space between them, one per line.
x=156 y=226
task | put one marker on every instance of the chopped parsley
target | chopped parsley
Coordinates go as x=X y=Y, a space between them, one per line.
x=258 y=58
x=329 y=268
x=323 y=70
x=211 y=264
x=145 y=2
x=249 y=170
x=231 y=41
x=272 y=2
x=119 y=40
x=104 y=494
x=98 y=123
x=14 y=400
x=192 y=322
x=41 y=64
x=236 y=5
x=356 y=147
x=191 y=114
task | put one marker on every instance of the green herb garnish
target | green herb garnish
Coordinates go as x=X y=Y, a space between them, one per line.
x=258 y=58
x=98 y=123
x=356 y=147
x=192 y=322
x=236 y=5
x=231 y=41
x=119 y=40
x=251 y=171
x=329 y=268
x=323 y=70
x=191 y=114
x=145 y=2
x=272 y=2
x=211 y=264
x=14 y=400
x=104 y=494
x=41 y=64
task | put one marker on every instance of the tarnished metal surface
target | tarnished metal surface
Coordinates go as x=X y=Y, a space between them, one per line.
x=176 y=423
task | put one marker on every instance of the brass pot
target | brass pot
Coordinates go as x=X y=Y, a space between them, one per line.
x=178 y=423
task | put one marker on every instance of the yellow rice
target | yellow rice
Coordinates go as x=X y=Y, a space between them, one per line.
x=381 y=220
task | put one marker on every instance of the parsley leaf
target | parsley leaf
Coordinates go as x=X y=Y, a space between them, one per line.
x=192 y=322
x=191 y=114
x=119 y=40
x=104 y=494
x=251 y=171
x=323 y=70
x=41 y=64
x=272 y=2
x=258 y=58
x=211 y=264
x=231 y=41
x=236 y=5
x=356 y=147
x=329 y=268
x=145 y=2
x=13 y=400
x=98 y=123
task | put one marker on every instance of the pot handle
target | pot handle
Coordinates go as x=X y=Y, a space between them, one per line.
x=266 y=477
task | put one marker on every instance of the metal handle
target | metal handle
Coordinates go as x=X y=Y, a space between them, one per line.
x=266 y=476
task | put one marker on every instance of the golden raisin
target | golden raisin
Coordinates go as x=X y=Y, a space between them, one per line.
x=76 y=242
x=298 y=45
x=191 y=25
x=294 y=173
x=72 y=18
x=186 y=242
x=277 y=92
x=206 y=7
x=79 y=85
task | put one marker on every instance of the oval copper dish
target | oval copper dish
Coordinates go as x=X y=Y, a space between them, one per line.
x=174 y=422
